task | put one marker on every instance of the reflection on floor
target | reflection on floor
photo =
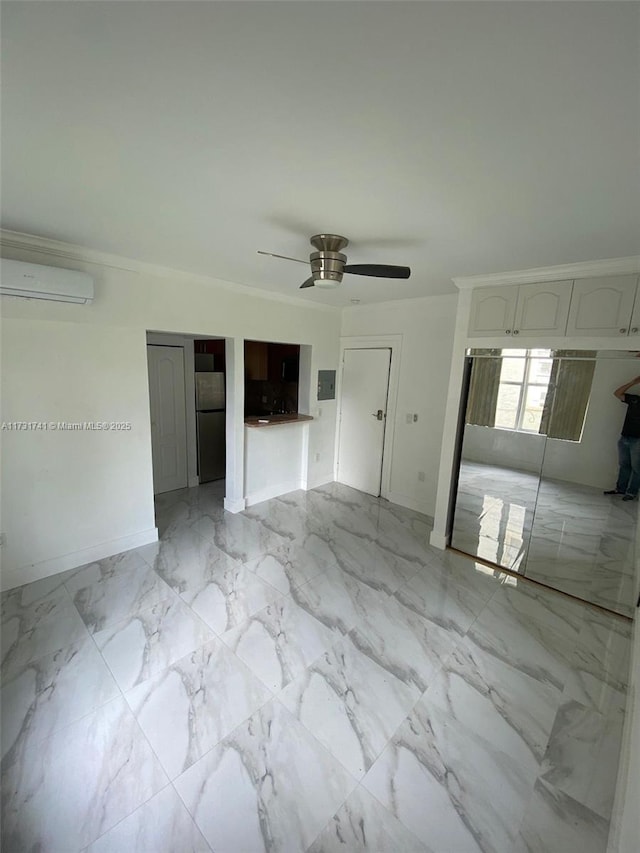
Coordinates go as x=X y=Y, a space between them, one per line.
x=494 y=513
x=579 y=541
x=307 y=675
x=583 y=543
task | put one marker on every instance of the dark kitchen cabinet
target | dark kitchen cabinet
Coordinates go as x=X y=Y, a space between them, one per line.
x=256 y=360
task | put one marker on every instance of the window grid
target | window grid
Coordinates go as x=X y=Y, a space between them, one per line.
x=523 y=386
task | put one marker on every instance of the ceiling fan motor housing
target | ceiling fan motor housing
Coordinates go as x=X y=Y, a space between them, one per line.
x=329 y=242
x=327 y=266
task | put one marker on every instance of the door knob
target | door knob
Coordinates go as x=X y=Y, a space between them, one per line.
x=378 y=415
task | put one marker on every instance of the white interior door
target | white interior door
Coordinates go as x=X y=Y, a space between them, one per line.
x=168 y=418
x=363 y=411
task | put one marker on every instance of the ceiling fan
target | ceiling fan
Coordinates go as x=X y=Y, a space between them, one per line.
x=328 y=264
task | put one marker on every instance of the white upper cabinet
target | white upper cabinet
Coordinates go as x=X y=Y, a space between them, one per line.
x=542 y=309
x=594 y=307
x=634 y=329
x=528 y=309
x=603 y=307
x=493 y=310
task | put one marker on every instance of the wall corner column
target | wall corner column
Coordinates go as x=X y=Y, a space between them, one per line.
x=234 y=500
x=439 y=535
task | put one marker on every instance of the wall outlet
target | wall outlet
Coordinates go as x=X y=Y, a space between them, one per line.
x=421 y=476
x=317 y=457
x=409 y=418
x=319 y=411
x=415 y=418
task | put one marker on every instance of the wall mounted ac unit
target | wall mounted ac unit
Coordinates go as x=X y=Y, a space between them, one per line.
x=35 y=281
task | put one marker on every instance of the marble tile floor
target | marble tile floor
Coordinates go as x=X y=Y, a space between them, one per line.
x=568 y=536
x=307 y=676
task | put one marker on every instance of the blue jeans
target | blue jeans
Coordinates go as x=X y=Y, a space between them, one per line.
x=629 y=462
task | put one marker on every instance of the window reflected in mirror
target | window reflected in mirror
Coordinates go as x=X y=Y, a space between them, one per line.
x=537 y=453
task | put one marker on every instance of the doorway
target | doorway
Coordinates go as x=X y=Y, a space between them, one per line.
x=364 y=406
x=187 y=385
x=210 y=387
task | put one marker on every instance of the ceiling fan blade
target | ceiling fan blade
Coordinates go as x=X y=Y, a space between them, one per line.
x=378 y=270
x=284 y=257
x=307 y=283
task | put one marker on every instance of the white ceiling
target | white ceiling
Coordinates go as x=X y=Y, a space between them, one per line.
x=457 y=138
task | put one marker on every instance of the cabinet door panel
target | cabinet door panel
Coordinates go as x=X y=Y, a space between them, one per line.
x=492 y=311
x=634 y=331
x=602 y=306
x=256 y=360
x=543 y=308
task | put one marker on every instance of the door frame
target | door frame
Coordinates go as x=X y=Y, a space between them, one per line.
x=394 y=343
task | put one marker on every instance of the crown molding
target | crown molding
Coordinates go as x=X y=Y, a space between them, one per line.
x=412 y=301
x=19 y=241
x=66 y=251
x=583 y=269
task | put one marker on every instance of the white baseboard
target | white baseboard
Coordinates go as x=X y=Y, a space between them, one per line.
x=234 y=504
x=194 y=481
x=37 y=571
x=407 y=501
x=439 y=540
x=273 y=491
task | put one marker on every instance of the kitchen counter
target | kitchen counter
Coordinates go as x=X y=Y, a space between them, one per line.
x=276 y=420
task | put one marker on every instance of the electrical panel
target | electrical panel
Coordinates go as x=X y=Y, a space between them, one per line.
x=326 y=385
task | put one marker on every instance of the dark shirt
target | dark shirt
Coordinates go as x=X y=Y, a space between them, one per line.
x=631 y=426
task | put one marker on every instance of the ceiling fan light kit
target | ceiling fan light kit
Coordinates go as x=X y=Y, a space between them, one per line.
x=327 y=283
x=328 y=264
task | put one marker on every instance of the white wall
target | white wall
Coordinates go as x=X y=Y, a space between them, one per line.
x=275 y=460
x=68 y=491
x=593 y=460
x=518 y=450
x=426 y=326
x=71 y=497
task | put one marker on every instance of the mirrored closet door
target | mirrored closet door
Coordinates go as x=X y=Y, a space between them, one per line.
x=538 y=451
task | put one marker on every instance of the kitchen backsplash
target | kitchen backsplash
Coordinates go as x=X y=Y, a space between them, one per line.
x=265 y=397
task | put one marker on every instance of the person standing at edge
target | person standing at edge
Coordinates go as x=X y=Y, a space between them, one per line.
x=628 y=482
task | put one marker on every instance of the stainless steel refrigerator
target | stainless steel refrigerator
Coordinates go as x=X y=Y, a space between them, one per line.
x=211 y=419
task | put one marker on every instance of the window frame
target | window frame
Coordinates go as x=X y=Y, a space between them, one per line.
x=523 y=386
